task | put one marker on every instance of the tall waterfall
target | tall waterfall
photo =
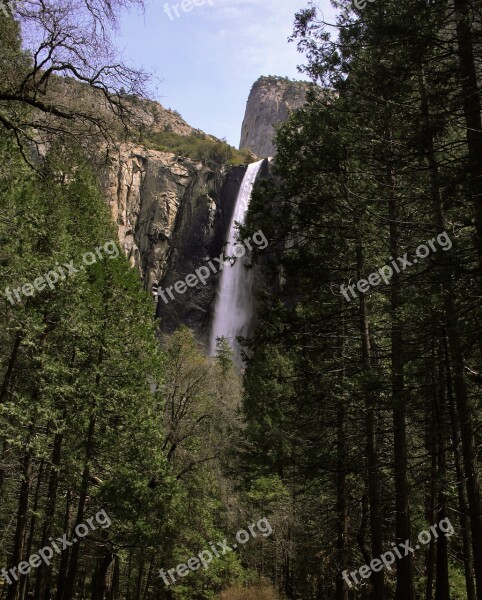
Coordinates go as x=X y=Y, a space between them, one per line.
x=234 y=303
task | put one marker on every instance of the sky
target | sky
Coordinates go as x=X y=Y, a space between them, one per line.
x=206 y=60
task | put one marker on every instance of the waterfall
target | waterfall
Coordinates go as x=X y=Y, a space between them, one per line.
x=234 y=303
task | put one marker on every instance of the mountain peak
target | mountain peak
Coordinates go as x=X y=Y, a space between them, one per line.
x=270 y=101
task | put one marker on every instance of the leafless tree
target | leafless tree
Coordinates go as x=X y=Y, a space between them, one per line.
x=61 y=74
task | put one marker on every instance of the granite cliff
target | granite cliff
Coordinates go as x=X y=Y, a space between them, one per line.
x=270 y=101
x=171 y=213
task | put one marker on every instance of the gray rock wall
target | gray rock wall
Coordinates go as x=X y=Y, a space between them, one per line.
x=270 y=101
x=171 y=214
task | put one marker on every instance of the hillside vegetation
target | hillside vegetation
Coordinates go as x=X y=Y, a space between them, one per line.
x=198 y=146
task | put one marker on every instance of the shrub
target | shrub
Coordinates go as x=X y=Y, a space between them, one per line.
x=198 y=146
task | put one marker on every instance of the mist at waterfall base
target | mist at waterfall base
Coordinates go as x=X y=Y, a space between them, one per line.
x=233 y=311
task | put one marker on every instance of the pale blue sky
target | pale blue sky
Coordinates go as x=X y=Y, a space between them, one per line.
x=208 y=59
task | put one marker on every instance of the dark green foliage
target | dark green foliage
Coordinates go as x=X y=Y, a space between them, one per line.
x=342 y=396
x=87 y=395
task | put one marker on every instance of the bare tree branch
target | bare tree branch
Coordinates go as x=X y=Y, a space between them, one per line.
x=62 y=75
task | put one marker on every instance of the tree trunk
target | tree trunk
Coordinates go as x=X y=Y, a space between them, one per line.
x=469 y=447
x=3 y=472
x=10 y=368
x=431 y=446
x=405 y=585
x=64 y=557
x=372 y=466
x=99 y=580
x=149 y=576
x=44 y=570
x=461 y=490
x=68 y=593
x=442 y=587
x=341 y=593
x=33 y=521
x=22 y=517
x=84 y=488
x=472 y=112
x=140 y=575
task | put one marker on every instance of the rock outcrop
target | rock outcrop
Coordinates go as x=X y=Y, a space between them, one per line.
x=270 y=101
x=171 y=214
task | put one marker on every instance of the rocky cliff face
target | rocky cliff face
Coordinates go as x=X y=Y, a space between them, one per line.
x=171 y=214
x=269 y=103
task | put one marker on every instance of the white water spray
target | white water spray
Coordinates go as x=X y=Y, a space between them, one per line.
x=234 y=305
